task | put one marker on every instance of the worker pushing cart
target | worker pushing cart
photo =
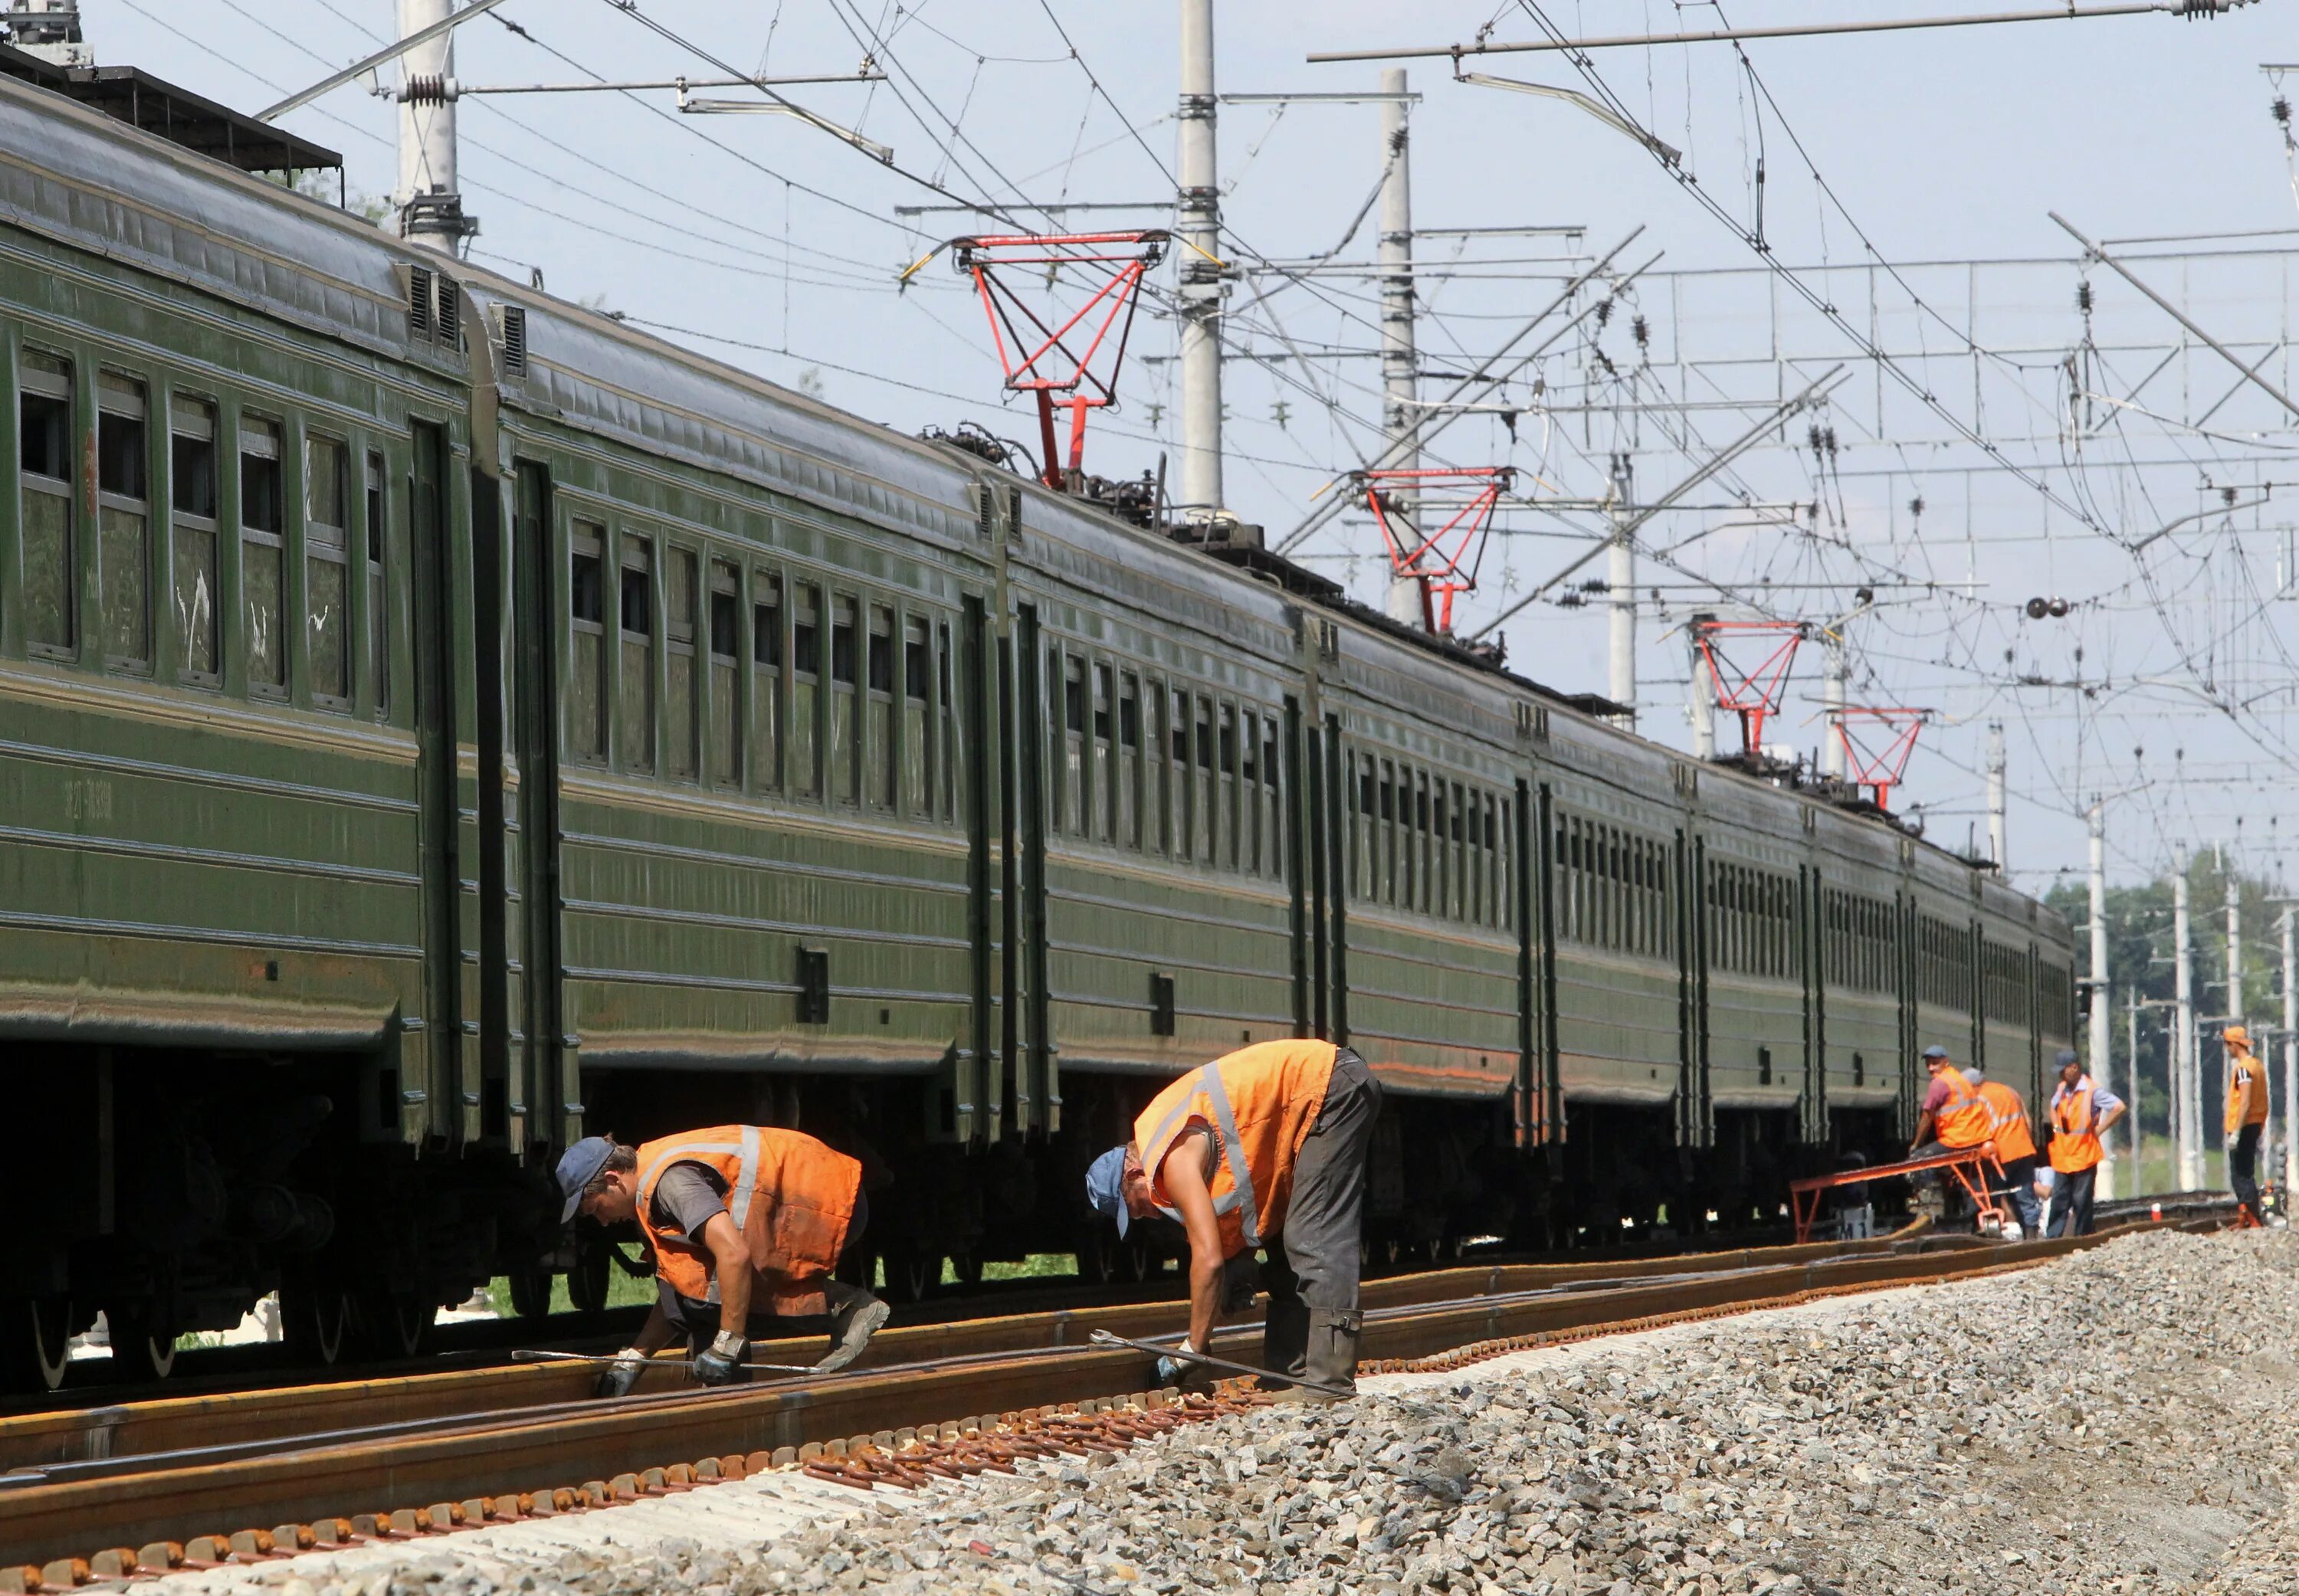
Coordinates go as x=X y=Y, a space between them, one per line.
x=746 y=1224
x=1264 y=1148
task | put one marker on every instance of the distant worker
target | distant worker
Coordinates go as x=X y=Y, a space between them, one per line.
x=1265 y=1148
x=746 y=1224
x=2015 y=1151
x=2246 y=1118
x=2081 y=1114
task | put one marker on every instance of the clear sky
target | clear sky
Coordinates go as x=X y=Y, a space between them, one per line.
x=1892 y=164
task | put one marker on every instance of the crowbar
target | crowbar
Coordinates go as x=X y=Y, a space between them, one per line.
x=1107 y=1338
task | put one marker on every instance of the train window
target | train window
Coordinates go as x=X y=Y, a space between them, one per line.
x=1065 y=689
x=45 y=451
x=1230 y=839
x=726 y=681
x=1204 y=814
x=1249 y=789
x=1368 y=837
x=767 y=707
x=192 y=491
x=586 y=617
x=123 y=516
x=917 y=719
x=378 y=621
x=806 y=691
x=326 y=570
x=953 y=738
x=1385 y=865
x=679 y=616
x=635 y=695
x=1173 y=741
x=878 y=712
x=1129 y=759
x=262 y=554
x=1105 y=755
x=1500 y=903
x=1272 y=861
x=844 y=735
x=1501 y=874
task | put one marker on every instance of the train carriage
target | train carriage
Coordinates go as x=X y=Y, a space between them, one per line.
x=441 y=720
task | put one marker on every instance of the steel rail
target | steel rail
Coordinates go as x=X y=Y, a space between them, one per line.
x=503 y=1456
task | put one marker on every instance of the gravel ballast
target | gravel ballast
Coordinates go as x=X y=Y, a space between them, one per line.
x=2117 y=1421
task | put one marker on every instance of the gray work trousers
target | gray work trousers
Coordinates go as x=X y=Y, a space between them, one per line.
x=1313 y=1261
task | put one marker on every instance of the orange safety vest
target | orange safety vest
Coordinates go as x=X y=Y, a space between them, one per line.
x=2008 y=1122
x=2074 y=1144
x=2246 y=1100
x=1261 y=1102
x=791 y=1198
x=1964 y=1119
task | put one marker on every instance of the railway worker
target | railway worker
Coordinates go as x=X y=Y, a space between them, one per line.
x=2246 y=1118
x=2081 y=1114
x=2015 y=1152
x=1953 y=1118
x=1263 y=1148
x=746 y=1224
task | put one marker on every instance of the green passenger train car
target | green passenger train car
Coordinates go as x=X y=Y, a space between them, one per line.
x=440 y=720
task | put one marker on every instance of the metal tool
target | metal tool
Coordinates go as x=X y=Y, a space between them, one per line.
x=1106 y=1338
x=541 y=1355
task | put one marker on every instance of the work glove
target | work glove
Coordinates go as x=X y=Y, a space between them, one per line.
x=1178 y=1366
x=721 y=1363
x=618 y=1377
x=1240 y=1281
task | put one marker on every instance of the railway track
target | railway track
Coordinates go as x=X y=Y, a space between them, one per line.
x=142 y=1488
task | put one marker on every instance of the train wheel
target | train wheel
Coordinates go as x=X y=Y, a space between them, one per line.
x=396 y=1324
x=36 y=1349
x=143 y=1348
x=315 y=1322
x=586 y=1282
x=530 y=1292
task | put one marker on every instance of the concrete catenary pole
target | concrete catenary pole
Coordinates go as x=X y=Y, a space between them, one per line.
x=2183 y=1029
x=1198 y=211
x=2290 y=1054
x=430 y=199
x=1996 y=762
x=2131 y=1054
x=1400 y=417
x=2234 y=943
x=1621 y=584
x=1700 y=695
x=2101 y=1062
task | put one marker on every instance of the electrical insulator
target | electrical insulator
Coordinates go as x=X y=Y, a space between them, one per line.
x=2038 y=609
x=2057 y=607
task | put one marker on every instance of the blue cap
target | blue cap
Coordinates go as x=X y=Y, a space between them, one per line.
x=1935 y=1051
x=2066 y=1056
x=579 y=1166
x=1105 y=1187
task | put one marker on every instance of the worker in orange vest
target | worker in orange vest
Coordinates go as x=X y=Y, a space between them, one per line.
x=2247 y=1117
x=746 y=1224
x=1264 y=1148
x=2015 y=1152
x=2081 y=1114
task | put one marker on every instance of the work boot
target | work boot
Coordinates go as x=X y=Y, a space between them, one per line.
x=1330 y=1371
x=855 y=1317
x=1285 y=1335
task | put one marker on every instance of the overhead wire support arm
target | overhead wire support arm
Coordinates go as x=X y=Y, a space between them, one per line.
x=2250 y=372
x=369 y=63
x=1625 y=41
x=1818 y=388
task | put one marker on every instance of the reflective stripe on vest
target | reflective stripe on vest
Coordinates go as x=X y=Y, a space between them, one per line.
x=740 y=1192
x=1240 y=1198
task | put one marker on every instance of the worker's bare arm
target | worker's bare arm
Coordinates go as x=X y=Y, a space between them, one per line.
x=730 y=1264
x=1193 y=1199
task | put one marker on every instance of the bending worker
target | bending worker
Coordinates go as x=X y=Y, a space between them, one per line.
x=746 y=1224
x=2081 y=1114
x=2015 y=1151
x=1954 y=1117
x=1264 y=1148
x=2246 y=1118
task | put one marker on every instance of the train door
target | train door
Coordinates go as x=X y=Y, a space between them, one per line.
x=539 y=1098
x=1695 y=1120
x=1812 y=1119
x=1026 y=1080
x=439 y=1082
x=1314 y=777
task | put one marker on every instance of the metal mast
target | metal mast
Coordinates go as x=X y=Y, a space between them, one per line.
x=430 y=200
x=1400 y=416
x=2185 y=1075
x=1199 y=210
x=2234 y=944
x=1831 y=700
x=2101 y=1063
x=1621 y=584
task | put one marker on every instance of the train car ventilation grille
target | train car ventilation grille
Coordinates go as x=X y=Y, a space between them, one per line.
x=514 y=340
x=450 y=314
x=419 y=300
x=986 y=510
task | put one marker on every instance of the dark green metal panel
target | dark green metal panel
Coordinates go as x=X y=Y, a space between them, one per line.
x=538 y=1106
x=1304 y=806
x=438 y=785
